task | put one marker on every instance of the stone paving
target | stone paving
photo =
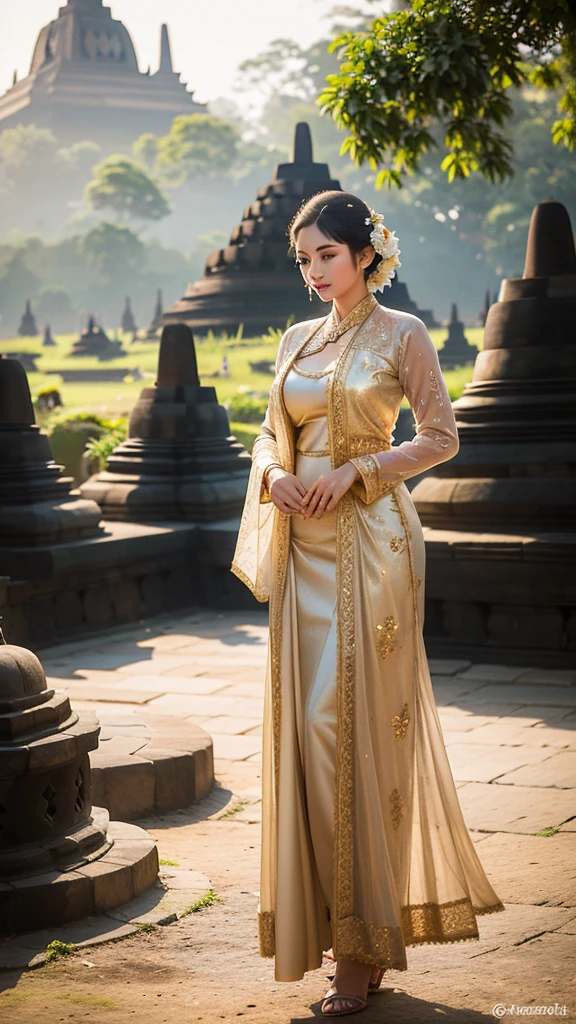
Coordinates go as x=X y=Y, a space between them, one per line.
x=510 y=736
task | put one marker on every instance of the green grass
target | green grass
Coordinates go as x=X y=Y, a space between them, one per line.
x=202 y=903
x=550 y=831
x=88 y=1000
x=169 y=863
x=116 y=399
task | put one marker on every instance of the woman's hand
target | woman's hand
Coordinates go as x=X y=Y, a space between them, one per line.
x=285 y=491
x=325 y=493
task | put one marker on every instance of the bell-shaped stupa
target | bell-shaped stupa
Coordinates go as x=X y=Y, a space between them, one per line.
x=180 y=461
x=502 y=514
x=253 y=281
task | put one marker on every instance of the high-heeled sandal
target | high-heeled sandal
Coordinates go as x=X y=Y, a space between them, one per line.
x=375 y=978
x=342 y=1005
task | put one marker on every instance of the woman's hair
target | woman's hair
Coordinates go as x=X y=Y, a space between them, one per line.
x=340 y=216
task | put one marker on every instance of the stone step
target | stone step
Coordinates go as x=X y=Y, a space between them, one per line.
x=148 y=763
x=127 y=869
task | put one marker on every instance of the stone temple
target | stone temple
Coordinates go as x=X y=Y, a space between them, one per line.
x=84 y=82
x=253 y=281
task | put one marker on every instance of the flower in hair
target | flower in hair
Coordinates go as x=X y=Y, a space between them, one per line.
x=386 y=245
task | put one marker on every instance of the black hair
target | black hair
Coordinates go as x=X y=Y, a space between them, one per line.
x=340 y=216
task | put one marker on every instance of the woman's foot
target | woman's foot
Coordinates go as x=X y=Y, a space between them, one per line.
x=375 y=977
x=349 y=989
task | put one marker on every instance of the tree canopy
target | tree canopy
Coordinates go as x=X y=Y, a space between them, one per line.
x=122 y=185
x=197 y=146
x=450 y=63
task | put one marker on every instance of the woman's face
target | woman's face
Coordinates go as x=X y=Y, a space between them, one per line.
x=329 y=267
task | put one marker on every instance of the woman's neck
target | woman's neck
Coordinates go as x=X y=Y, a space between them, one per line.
x=344 y=304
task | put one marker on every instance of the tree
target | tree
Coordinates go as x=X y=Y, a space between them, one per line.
x=112 y=251
x=450 y=63
x=122 y=185
x=24 y=150
x=197 y=146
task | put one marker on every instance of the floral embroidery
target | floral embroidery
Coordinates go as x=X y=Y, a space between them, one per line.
x=386 y=638
x=400 y=723
x=417 y=582
x=369 y=469
x=397 y=543
x=396 y=808
x=434 y=386
x=367 y=444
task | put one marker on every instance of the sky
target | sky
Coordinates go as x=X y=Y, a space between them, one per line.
x=209 y=38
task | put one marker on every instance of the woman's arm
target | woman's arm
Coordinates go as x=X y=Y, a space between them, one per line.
x=279 y=486
x=436 y=438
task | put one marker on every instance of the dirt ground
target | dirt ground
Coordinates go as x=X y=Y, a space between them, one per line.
x=206 y=967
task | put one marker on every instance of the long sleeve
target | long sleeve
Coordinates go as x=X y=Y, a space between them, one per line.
x=253 y=557
x=436 y=438
x=265 y=448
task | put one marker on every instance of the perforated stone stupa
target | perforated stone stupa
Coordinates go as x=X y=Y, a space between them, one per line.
x=253 y=281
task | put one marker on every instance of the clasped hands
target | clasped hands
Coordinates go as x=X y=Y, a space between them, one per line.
x=291 y=497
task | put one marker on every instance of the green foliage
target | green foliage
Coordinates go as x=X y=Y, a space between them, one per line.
x=169 y=863
x=110 y=249
x=56 y=949
x=246 y=433
x=24 y=149
x=69 y=434
x=449 y=63
x=122 y=185
x=99 y=448
x=54 y=304
x=243 y=408
x=197 y=146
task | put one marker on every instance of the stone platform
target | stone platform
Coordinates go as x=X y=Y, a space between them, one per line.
x=126 y=870
x=171 y=897
x=148 y=763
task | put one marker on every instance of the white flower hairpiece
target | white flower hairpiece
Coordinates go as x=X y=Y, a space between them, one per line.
x=386 y=245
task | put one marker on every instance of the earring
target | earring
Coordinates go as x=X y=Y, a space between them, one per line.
x=309 y=292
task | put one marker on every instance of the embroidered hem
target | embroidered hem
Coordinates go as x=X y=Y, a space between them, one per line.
x=422 y=924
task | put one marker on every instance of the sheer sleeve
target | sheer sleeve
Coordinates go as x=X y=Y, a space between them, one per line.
x=252 y=562
x=265 y=448
x=436 y=438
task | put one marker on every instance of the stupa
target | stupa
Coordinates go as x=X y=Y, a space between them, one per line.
x=179 y=461
x=253 y=281
x=48 y=340
x=28 y=327
x=60 y=858
x=456 y=350
x=156 y=322
x=128 y=323
x=483 y=314
x=93 y=341
x=38 y=512
x=500 y=518
x=84 y=82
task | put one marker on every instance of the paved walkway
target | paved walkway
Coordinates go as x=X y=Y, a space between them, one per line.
x=510 y=738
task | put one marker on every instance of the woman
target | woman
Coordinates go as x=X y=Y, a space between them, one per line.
x=364 y=847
